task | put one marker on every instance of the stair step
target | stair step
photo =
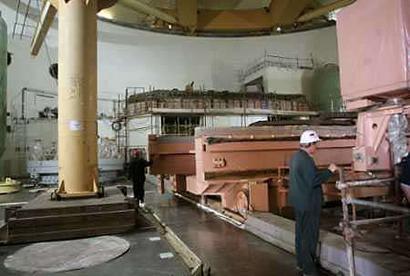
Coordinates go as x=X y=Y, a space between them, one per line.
x=65 y=222
x=28 y=213
x=69 y=234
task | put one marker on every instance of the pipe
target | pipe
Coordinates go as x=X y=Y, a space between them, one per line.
x=378 y=220
x=347 y=230
x=385 y=206
x=371 y=182
x=138 y=6
x=325 y=9
x=23 y=102
x=11 y=204
x=210 y=210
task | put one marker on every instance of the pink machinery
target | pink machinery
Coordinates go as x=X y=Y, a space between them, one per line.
x=374 y=44
x=246 y=168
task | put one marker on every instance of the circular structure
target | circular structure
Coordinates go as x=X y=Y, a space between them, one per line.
x=66 y=255
x=219 y=18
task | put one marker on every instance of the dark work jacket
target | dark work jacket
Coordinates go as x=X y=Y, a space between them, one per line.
x=136 y=169
x=305 y=180
x=405 y=170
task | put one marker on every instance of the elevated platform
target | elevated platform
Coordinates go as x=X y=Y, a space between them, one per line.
x=43 y=219
x=369 y=260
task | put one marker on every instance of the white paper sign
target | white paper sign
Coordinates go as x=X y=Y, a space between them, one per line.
x=75 y=125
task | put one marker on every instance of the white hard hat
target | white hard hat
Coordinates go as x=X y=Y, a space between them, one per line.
x=309 y=136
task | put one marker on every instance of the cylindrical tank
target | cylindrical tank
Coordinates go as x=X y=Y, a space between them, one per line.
x=325 y=89
x=3 y=90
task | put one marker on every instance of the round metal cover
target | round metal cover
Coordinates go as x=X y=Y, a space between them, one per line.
x=66 y=255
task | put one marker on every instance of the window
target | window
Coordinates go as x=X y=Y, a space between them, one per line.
x=180 y=125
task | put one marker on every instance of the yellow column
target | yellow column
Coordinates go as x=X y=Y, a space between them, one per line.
x=77 y=98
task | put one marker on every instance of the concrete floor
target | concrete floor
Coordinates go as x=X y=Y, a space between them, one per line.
x=142 y=259
x=227 y=249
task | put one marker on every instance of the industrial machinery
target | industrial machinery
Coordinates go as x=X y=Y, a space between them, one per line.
x=246 y=168
x=374 y=76
x=373 y=42
x=42 y=162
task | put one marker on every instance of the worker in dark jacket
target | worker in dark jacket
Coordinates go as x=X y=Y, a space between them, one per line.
x=305 y=195
x=136 y=172
x=405 y=176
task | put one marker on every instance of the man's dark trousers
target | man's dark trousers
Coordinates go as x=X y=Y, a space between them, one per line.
x=307 y=237
x=138 y=189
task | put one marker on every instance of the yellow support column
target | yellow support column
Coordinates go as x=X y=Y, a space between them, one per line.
x=77 y=98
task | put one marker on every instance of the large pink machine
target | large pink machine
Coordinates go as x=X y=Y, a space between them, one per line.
x=247 y=168
x=374 y=43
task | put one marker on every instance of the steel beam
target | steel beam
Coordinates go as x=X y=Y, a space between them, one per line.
x=187 y=13
x=147 y=9
x=47 y=15
x=285 y=12
x=325 y=9
x=240 y=20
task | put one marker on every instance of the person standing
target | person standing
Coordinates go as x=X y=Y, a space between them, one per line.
x=305 y=195
x=404 y=176
x=136 y=172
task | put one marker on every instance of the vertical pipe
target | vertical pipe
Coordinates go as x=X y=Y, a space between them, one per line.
x=126 y=157
x=77 y=103
x=23 y=103
x=398 y=197
x=347 y=231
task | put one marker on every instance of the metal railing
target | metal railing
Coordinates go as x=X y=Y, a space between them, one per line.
x=349 y=226
x=269 y=60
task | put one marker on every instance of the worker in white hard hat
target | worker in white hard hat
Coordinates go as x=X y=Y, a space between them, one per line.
x=305 y=195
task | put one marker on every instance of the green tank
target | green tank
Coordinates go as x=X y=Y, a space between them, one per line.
x=325 y=89
x=3 y=91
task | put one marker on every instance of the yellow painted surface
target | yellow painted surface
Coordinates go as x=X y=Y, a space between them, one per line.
x=77 y=103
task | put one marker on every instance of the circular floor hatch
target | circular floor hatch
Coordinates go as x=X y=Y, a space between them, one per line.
x=66 y=255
